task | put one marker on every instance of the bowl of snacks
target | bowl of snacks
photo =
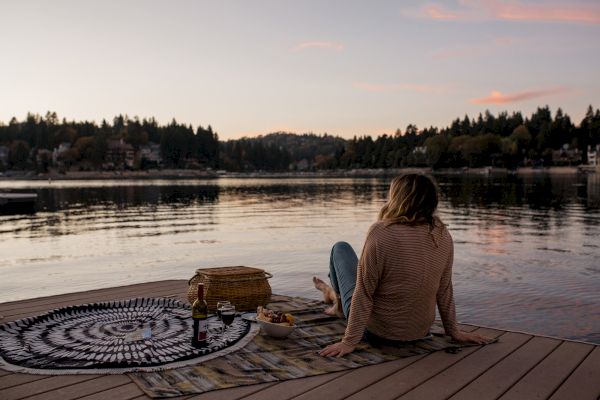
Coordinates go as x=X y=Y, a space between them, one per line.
x=275 y=323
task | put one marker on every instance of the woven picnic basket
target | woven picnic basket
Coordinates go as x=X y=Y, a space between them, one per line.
x=245 y=287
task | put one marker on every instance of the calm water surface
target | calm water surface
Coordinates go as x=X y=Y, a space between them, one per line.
x=527 y=249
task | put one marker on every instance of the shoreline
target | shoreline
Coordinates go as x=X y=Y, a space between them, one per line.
x=353 y=173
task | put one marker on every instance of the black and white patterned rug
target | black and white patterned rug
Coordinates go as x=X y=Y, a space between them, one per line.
x=114 y=337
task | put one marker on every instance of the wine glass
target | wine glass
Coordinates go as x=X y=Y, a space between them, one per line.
x=220 y=305
x=227 y=315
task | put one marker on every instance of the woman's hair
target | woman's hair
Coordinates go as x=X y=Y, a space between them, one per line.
x=412 y=200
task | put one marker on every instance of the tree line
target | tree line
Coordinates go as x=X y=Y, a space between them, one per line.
x=88 y=142
x=504 y=140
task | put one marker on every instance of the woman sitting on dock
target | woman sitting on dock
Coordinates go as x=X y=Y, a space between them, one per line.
x=389 y=295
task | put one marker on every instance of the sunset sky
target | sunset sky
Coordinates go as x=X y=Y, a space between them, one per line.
x=339 y=67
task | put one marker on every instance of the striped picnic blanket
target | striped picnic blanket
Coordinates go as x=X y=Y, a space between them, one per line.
x=267 y=359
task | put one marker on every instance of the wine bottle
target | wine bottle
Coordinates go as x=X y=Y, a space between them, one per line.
x=199 y=315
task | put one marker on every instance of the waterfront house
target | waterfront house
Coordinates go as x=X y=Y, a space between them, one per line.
x=593 y=155
x=566 y=156
x=150 y=154
x=119 y=154
x=59 y=151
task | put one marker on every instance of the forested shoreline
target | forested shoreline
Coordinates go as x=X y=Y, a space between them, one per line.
x=45 y=143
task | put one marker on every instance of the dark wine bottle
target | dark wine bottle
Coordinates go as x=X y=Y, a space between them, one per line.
x=199 y=315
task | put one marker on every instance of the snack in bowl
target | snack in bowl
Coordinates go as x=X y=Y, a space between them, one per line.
x=275 y=323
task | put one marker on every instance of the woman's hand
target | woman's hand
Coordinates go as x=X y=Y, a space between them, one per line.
x=473 y=338
x=339 y=349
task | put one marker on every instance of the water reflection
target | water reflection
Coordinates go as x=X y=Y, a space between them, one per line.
x=526 y=247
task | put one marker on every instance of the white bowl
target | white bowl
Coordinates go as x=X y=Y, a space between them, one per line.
x=276 y=330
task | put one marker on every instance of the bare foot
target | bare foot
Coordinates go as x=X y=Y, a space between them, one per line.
x=329 y=296
x=336 y=309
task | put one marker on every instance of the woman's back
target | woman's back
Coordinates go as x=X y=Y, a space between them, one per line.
x=411 y=260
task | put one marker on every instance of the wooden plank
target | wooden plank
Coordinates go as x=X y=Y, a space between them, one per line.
x=135 y=288
x=4 y=372
x=294 y=387
x=507 y=372
x=360 y=378
x=549 y=374
x=37 y=311
x=146 y=397
x=84 y=297
x=10 y=380
x=124 y=392
x=240 y=392
x=458 y=375
x=584 y=382
x=42 y=385
x=83 y=388
x=405 y=379
x=357 y=380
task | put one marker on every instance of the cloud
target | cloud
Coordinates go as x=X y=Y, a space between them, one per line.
x=319 y=45
x=550 y=12
x=483 y=10
x=435 y=12
x=468 y=51
x=496 y=97
x=399 y=87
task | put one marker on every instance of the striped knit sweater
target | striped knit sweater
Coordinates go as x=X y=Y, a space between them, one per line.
x=402 y=273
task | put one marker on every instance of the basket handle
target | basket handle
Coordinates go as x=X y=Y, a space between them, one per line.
x=192 y=278
x=267 y=275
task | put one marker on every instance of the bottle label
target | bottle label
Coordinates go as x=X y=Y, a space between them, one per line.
x=202 y=328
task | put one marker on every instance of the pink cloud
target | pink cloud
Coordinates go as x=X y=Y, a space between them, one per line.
x=550 y=12
x=319 y=45
x=398 y=87
x=468 y=51
x=481 y=10
x=496 y=97
x=435 y=12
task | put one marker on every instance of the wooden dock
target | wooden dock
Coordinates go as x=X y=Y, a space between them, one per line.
x=520 y=366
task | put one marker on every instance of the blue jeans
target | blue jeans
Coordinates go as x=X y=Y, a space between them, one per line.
x=342 y=273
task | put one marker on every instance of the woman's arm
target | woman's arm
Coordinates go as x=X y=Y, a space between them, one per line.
x=445 y=302
x=445 y=297
x=367 y=279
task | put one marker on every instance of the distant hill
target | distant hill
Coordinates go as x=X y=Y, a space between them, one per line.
x=282 y=150
x=306 y=146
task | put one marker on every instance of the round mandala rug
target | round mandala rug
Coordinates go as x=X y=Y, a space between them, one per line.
x=142 y=334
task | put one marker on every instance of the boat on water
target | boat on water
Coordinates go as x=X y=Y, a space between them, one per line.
x=17 y=203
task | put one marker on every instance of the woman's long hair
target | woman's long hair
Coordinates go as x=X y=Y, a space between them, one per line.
x=412 y=200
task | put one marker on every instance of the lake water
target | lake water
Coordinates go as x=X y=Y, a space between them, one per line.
x=527 y=249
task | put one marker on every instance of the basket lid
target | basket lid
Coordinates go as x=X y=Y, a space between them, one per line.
x=229 y=271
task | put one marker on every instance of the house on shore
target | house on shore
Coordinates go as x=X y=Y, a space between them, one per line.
x=566 y=156
x=58 y=152
x=119 y=155
x=593 y=155
x=150 y=155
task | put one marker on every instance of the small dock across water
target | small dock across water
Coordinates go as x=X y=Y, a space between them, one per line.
x=520 y=366
x=17 y=202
